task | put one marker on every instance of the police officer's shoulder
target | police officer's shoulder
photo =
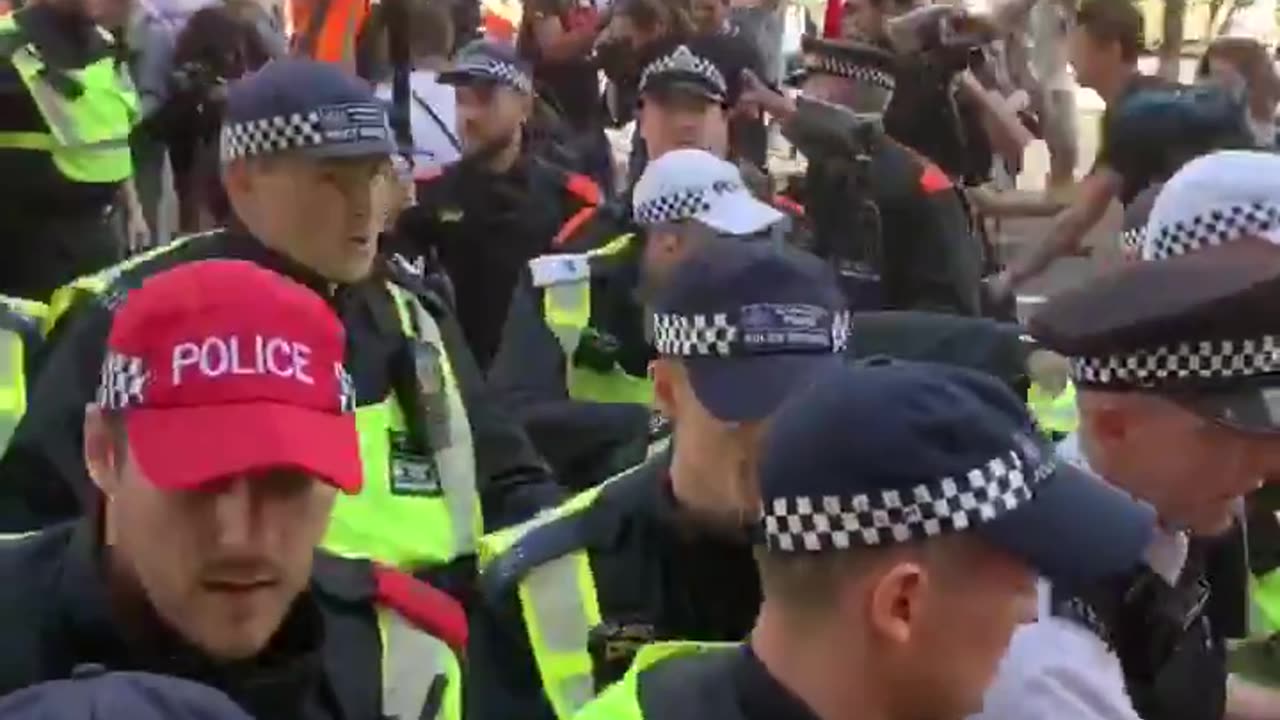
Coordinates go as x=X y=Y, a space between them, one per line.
x=31 y=568
x=576 y=185
x=594 y=227
x=925 y=176
x=591 y=520
x=360 y=582
x=107 y=288
x=30 y=565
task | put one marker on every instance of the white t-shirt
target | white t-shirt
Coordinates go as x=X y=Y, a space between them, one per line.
x=432 y=146
x=1056 y=669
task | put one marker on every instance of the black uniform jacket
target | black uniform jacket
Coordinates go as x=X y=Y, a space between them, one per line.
x=56 y=613
x=43 y=467
x=657 y=578
x=931 y=259
x=482 y=228
x=585 y=442
x=721 y=684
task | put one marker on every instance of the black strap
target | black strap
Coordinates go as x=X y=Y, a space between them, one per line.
x=453 y=140
x=397 y=14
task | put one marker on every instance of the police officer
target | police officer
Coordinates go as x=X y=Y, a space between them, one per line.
x=906 y=511
x=21 y=322
x=483 y=218
x=889 y=219
x=1174 y=364
x=64 y=145
x=662 y=551
x=305 y=151
x=574 y=357
x=222 y=430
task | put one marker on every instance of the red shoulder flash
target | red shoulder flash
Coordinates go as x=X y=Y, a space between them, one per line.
x=425 y=607
x=933 y=180
x=572 y=225
x=786 y=204
x=583 y=188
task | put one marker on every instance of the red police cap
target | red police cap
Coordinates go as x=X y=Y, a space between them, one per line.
x=222 y=367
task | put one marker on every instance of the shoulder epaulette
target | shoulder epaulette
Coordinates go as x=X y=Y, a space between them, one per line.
x=539 y=545
x=574 y=528
x=583 y=188
x=425 y=607
x=933 y=180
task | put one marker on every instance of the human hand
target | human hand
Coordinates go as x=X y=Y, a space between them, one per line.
x=137 y=233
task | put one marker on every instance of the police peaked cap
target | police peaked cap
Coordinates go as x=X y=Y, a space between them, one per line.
x=848 y=59
x=1198 y=322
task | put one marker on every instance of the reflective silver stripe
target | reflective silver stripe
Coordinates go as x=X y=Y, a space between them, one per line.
x=559 y=627
x=12 y=386
x=456 y=461
x=568 y=302
x=50 y=101
x=412 y=660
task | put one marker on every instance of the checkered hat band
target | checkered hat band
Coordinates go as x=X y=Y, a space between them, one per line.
x=723 y=335
x=683 y=61
x=683 y=203
x=825 y=65
x=1131 y=241
x=1203 y=360
x=124 y=379
x=694 y=335
x=324 y=126
x=818 y=523
x=1213 y=227
x=503 y=72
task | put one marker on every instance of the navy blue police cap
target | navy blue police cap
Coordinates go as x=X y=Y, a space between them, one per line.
x=490 y=61
x=751 y=321
x=310 y=107
x=93 y=694
x=884 y=452
x=692 y=68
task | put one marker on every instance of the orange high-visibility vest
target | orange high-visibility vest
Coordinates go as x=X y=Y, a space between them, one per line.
x=331 y=35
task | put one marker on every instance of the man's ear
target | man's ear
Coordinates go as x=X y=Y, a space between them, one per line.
x=100 y=451
x=896 y=600
x=236 y=177
x=1108 y=421
x=665 y=376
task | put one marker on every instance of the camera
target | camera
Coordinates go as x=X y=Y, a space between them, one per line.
x=943 y=38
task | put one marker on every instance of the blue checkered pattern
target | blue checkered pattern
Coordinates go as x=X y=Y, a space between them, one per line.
x=299 y=131
x=503 y=72
x=124 y=377
x=682 y=61
x=826 y=65
x=817 y=523
x=693 y=335
x=683 y=203
x=1203 y=360
x=1208 y=229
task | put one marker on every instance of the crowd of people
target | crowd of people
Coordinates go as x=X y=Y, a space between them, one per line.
x=431 y=405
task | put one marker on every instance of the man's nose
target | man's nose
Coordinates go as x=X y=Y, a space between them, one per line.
x=234 y=511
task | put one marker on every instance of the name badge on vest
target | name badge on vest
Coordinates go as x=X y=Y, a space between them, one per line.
x=613 y=645
x=412 y=473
